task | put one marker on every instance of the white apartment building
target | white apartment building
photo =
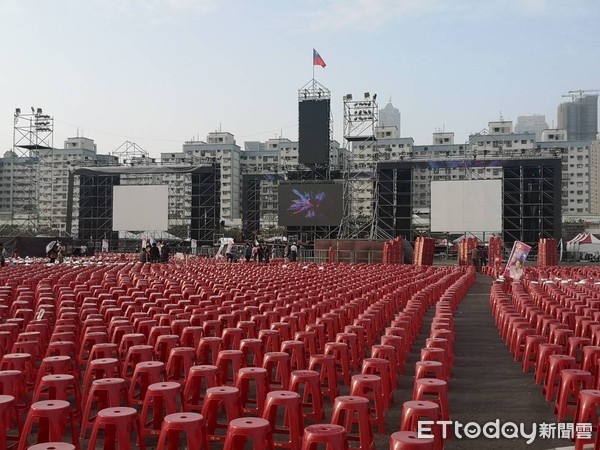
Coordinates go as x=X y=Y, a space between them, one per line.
x=594 y=162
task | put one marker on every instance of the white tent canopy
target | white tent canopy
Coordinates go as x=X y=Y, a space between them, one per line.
x=584 y=243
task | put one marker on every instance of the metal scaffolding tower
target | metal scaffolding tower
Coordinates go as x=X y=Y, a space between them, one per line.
x=359 y=168
x=32 y=173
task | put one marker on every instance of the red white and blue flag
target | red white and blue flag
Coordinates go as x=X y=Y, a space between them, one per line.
x=317 y=60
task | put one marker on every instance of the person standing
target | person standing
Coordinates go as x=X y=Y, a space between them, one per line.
x=475 y=258
x=293 y=253
x=3 y=255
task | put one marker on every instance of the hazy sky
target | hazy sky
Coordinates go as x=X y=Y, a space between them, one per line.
x=159 y=72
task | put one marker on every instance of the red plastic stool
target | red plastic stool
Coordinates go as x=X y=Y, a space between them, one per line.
x=9 y=414
x=58 y=387
x=260 y=378
x=208 y=350
x=429 y=369
x=369 y=386
x=437 y=354
x=291 y=424
x=398 y=343
x=351 y=340
x=12 y=382
x=161 y=400
x=163 y=346
x=192 y=424
x=229 y=363
x=117 y=425
x=217 y=398
x=575 y=347
x=200 y=378
x=50 y=418
x=297 y=353
x=591 y=354
x=309 y=338
x=586 y=412
x=530 y=354
x=380 y=367
x=52 y=446
x=101 y=351
x=53 y=365
x=270 y=339
x=349 y=411
x=340 y=351
x=330 y=436
x=542 y=363
x=249 y=428
x=191 y=336
x=414 y=411
x=89 y=340
x=136 y=354
x=97 y=369
x=571 y=382
x=180 y=361
x=232 y=338
x=145 y=374
x=325 y=366
x=306 y=383
x=436 y=391
x=104 y=393
x=556 y=363
x=277 y=365
x=409 y=440
x=388 y=353
x=253 y=352
x=21 y=362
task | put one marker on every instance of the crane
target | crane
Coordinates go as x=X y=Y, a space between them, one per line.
x=580 y=93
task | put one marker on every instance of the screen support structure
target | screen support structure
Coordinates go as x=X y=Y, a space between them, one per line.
x=313 y=90
x=359 y=167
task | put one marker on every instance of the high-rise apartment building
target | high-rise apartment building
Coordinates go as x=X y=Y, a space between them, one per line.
x=579 y=117
x=535 y=123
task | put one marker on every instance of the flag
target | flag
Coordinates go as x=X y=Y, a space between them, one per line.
x=317 y=60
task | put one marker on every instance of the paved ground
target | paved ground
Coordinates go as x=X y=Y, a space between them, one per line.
x=487 y=384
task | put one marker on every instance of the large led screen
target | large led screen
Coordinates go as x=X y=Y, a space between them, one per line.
x=141 y=208
x=463 y=206
x=313 y=131
x=310 y=204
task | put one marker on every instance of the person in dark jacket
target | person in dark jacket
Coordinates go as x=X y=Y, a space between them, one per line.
x=154 y=253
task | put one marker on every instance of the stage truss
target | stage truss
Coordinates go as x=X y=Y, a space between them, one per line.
x=359 y=169
x=32 y=174
x=194 y=200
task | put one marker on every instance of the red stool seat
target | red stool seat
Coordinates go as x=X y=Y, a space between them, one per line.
x=325 y=365
x=409 y=440
x=192 y=424
x=200 y=378
x=330 y=436
x=242 y=430
x=277 y=365
x=260 y=379
x=433 y=390
x=217 y=398
x=50 y=417
x=283 y=410
x=307 y=381
x=145 y=374
x=587 y=406
x=9 y=417
x=161 y=399
x=369 y=386
x=571 y=382
x=104 y=393
x=349 y=411
x=414 y=411
x=118 y=424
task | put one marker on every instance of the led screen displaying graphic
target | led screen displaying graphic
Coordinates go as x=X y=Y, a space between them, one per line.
x=311 y=204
